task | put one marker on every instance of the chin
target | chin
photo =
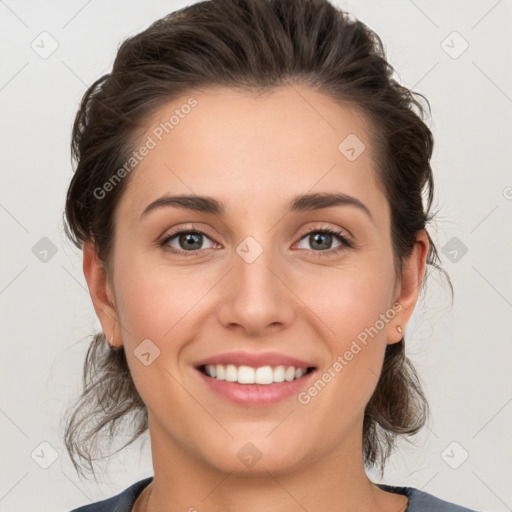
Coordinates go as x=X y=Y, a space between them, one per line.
x=256 y=455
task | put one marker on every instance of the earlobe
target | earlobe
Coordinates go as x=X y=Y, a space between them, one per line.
x=413 y=272
x=100 y=291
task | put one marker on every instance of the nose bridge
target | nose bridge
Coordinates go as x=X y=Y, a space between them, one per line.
x=253 y=261
x=256 y=297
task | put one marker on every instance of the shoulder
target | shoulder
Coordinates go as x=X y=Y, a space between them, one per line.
x=122 y=502
x=420 y=501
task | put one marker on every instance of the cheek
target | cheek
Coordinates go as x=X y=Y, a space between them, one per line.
x=355 y=308
x=156 y=300
x=350 y=299
x=157 y=303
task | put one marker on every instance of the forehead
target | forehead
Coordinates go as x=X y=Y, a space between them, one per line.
x=252 y=149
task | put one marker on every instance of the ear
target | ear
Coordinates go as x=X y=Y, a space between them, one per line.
x=409 y=286
x=101 y=293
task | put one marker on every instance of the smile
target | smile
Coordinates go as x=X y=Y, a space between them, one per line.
x=264 y=375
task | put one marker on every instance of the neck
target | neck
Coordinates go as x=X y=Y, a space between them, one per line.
x=335 y=481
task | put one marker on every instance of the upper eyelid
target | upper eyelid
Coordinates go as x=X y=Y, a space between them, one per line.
x=170 y=235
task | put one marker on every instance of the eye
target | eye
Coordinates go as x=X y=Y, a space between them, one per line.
x=187 y=240
x=321 y=239
x=190 y=241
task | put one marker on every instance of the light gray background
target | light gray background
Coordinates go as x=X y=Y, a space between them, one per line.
x=463 y=353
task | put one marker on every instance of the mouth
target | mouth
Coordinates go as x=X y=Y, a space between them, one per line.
x=255 y=378
x=262 y=375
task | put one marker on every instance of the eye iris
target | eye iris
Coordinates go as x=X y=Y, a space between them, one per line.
x=321 y=237
x=192 y=240
x=190 y=237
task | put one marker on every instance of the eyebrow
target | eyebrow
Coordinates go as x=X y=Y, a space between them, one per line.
x=302 y=203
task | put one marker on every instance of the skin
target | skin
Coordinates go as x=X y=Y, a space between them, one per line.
x=254 y=154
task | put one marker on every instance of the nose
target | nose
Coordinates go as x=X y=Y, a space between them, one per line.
x=257 y=298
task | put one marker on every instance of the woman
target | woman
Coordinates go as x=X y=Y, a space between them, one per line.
x=248 y=198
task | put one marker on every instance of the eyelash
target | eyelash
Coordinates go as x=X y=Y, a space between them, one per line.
x=345 y=241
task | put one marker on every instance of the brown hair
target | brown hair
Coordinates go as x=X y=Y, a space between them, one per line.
x=249 y=45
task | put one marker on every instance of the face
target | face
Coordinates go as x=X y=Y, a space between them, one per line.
x=255 y=284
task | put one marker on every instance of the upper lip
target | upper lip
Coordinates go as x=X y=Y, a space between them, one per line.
x=254 y=359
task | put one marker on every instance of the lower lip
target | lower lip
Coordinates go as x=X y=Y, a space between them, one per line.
x=256 y=394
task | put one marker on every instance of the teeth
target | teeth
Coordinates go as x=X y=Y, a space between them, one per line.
x=219 y=372
x=231 y=374
x=248 y=375
x=299 y=372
